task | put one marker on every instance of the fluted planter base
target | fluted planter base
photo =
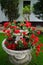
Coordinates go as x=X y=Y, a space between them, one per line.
x=23 y=61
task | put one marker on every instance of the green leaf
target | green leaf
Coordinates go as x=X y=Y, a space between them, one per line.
x=29 y=45
x=20 y=45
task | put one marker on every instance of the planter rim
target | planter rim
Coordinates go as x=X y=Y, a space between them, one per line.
x=4 y=47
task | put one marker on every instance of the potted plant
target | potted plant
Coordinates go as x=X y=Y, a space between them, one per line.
x=21 y=39
x=10 y=8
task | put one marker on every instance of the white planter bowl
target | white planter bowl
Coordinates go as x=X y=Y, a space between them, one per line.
x=17 y=56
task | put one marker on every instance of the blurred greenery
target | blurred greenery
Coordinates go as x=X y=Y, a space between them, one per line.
x=10 y=8
x=38 y=8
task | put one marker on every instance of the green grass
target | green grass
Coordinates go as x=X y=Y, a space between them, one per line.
x=4 y=60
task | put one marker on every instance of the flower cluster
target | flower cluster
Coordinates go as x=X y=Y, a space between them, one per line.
x=21 y=36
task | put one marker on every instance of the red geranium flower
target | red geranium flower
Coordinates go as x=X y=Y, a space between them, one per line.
x=6 y=42
x=7 y=31
x=38 y=49
x=8 y=34
x=17 y=31
x=38 y=46
x=14 y=26
x=33 y=43
x=28 y=24
x=36 y=39
x=38 y=32
x=32 y=36
x=9 y=46
x=23 y=39
x=25 y=43
x=13 y=46
x=10 y=38
x=24 y=33
x=37 y=53
x=11 y=27
x=6 y=24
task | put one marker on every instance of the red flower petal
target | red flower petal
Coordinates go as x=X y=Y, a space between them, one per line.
x=7 y=31
x=28 y=24
x=17 y=31
x=11 y=27
x=14 y=26
x=8 y=34
x=38 y=46
x=23 y=39
x=24 y=33
x=10 y=38
x=9 y=46
x=6 y=43
x=6 y=24
x=38 y=32
x=33 y=43
x=32 y=36
x=38 y=49
x=37 y=53
x=36 y=39
x=13 y=46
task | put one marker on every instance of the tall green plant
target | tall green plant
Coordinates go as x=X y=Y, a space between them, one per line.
x=10 y=8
